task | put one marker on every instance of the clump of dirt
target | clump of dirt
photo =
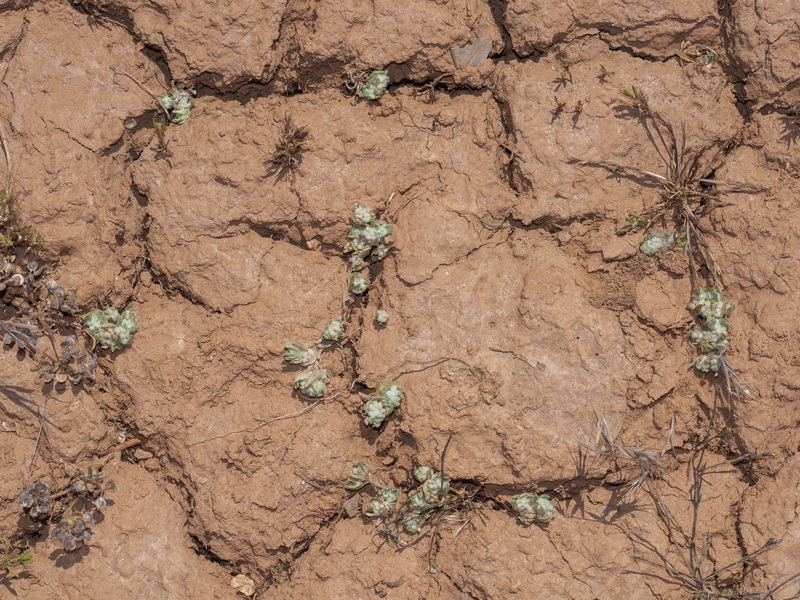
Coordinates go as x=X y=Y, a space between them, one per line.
x=538 y=349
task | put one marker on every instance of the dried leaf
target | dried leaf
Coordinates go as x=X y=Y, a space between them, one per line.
x=471 y=54
x=352 y=505
x=244 y=585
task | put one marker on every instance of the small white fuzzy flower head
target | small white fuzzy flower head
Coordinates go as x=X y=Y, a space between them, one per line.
x=299 y=354
x=709 y=363
x=362 y=215
x=376 y=85
x=423 y=472
x=334 y=331
x=112 y=329
x=311 y=382
x=358 y=283
x=382 y=317
x=657 y=242
x=532 y=508
x=384 y=503
x=178 y=104
x=391 y=394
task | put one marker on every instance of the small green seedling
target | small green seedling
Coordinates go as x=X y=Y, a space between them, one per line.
x=12 y=559
x=382 y=404
x=112 y=329
x=432 y=493
x=358 y=283
x=359 y=476
x=604 y=74
x=566 y=74
x=300 y=354
x=531 y=508
x=382 y=316
x=559 y=106
x=178 y=104
x=702 y=56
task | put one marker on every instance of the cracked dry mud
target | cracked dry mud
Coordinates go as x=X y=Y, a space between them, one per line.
x=520 y=307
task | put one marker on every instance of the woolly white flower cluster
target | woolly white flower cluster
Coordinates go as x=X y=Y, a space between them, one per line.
x=112 y=329
x=712 y=338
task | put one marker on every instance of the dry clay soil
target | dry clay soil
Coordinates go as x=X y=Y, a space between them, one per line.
x=520 y=307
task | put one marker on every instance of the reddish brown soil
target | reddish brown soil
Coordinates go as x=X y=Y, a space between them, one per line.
x=520 y=308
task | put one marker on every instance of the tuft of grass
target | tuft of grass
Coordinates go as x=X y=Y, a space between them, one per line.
x=647 y=464
x=289 y=146
x=688 y=191
x=696 y=571
x=13 y=560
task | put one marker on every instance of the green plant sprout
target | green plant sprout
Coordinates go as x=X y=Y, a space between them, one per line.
x=432 y=493
x=359 y=476
x=358 y=283
x=13 y=559
x=160 y=128
x=430 y=496
x=702 y=56
x=313 y=381
x=382 y=404
x=367 y=239
x=559 y=106
x=13 y=233
x=382 y=316
x=300 y=354
x=531 y=508
x=112 y=329
x=178 y=104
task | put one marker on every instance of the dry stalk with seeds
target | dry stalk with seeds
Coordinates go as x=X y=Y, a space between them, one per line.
x=637 y=465
x=696 y=571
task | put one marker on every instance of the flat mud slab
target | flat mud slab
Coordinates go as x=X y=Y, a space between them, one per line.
x=561 y=181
